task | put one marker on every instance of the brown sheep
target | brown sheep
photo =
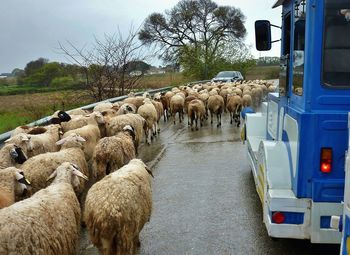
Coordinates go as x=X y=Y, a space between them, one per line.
x=234 y=106
x=177 y=104
x=216 y=106
x=196 y=111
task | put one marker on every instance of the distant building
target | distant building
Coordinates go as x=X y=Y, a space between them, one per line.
x=155 y=70
x=135 y=73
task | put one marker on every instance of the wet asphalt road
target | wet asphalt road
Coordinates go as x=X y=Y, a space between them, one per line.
x=204 y=198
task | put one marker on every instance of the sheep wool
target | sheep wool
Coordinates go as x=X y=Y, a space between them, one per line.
x=43 y=224
x=117 y=207
x=111 y=153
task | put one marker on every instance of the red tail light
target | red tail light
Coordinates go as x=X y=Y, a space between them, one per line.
x=326 y=160
x=278 y=217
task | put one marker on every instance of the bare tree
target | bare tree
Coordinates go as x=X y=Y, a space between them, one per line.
x=198 y=29
x=105 y=64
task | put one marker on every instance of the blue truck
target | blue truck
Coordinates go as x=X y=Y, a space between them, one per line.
x=296 y=143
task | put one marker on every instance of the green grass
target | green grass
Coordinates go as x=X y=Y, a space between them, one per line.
x=31 y=89
x=11 y=120
x=263 y=73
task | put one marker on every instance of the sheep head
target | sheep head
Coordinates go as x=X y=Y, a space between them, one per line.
x=71 y=141
x=69 y=170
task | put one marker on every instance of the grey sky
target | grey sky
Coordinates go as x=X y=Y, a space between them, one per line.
x=32 y=28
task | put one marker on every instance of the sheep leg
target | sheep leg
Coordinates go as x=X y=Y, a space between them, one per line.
x=196 y=119
x=231 y=117
x=106 y=246
x=180 y=116
x=211 y=117
x=174 y=116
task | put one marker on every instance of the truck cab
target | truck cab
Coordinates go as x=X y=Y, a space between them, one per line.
x=296 y=145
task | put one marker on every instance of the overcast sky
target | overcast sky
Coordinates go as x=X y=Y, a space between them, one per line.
x=32 y=28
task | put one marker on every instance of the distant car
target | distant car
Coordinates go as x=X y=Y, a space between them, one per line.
x=227 y=76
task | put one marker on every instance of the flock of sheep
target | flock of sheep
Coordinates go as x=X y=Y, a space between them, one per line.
x=45 y=171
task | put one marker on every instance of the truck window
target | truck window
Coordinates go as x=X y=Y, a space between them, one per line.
x=299 y=48
x=336 y=44
x=284 y=61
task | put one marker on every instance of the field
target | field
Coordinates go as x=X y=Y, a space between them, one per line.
x=263 y=73
x=27 y=105
x=22 y=109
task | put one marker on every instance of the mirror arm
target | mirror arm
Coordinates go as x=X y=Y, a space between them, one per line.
x=276 y=41
x=275 y=26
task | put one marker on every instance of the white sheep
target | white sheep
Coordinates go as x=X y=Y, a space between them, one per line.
x=46 y=223
x=95 y=118
x=216 y=106
x=116 y=124
x=149 y=113
x=117 y=208
x=37 y=169
x=103 y=106
x=13 y=186
x=34 y=145
x=111 y=153
x=91 y=134
x=11 y=155
x=126 y=108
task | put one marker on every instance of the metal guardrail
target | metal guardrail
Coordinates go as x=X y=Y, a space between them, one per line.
x=45 y=120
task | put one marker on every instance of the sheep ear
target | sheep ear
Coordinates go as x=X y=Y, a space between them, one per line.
x=149 y=171
x=80 y=174
x=81 y=139
x=62 y=141
x=8 y=140
x=53 y=175
x=25 y=138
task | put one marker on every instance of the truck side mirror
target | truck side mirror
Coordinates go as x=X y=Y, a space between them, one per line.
x=263 y=35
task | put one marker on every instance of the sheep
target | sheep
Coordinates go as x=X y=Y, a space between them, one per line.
x=224 y=93
x=160 y=112
x=163 y=107
x=60 y=116
x=100 y=107
x=216 y=106
x=11 y=155
x=78 y=111
x=95 y=118
x=137 y=101
x=257 y=94
x=247 y=100
x=177 y=104
x=37 y=169
x=91 y=134
x=111 y=153
x=196 y=111
x=116 y=124
x=149 y=113
x=21 y=130
x=13 y=186
x=46 y=223
x=36 y=144
x=234 y=106
x=117 y=208
x=126 y=108
x=188 y=99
